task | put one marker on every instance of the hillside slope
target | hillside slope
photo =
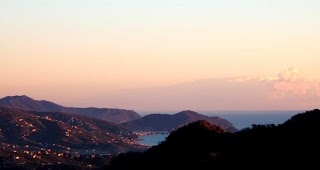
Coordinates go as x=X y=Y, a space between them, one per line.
x=61 y=131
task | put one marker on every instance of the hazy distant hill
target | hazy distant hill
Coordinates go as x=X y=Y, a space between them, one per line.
x=60 y=131
x=166 y=122
x=27 y=103
x=200 y=145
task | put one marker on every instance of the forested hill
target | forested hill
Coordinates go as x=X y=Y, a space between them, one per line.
x=200 y=145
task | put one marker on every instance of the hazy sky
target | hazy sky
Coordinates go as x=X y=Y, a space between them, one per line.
x=90 y=52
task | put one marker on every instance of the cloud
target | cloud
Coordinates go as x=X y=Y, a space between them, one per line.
x=289 y=75
x=289 y=83
x=286 y=90
x=291 y=88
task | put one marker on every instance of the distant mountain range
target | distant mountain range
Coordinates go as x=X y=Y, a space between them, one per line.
x=166 y=122
x=128 y=118
x=111 y=115
x=63 y=132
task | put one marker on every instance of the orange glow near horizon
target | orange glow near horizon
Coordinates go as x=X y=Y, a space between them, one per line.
x=86 y=53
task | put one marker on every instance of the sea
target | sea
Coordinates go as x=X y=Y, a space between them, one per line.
x=240 y=119
x=152 y=140
x=244 y=119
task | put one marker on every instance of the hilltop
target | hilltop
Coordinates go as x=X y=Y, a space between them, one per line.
x=166 y=122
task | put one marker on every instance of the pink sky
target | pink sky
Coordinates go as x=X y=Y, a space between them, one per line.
x=134 y=54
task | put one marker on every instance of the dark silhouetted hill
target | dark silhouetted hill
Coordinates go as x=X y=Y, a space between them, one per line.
x=63 y=132
x=199 y=145
x=111 y=115
x=166 y=122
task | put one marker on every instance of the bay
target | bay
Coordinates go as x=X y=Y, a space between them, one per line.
x=152 y=140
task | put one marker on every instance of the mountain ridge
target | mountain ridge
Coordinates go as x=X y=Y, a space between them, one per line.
x=109 y=114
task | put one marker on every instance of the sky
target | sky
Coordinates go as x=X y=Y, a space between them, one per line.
x=127 y=53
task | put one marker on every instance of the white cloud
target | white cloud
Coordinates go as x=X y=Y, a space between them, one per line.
x=289 y=75
x=290 y=83
x=287 y=90
x=293 y=90
x=292 y=74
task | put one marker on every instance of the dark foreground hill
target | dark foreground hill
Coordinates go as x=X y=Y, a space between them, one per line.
x=29 y=130
x=166 y=122
x=111 y=115
x=199 y=145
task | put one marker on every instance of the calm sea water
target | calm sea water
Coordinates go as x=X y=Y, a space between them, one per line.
x=243 y=119
x=152 y=140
